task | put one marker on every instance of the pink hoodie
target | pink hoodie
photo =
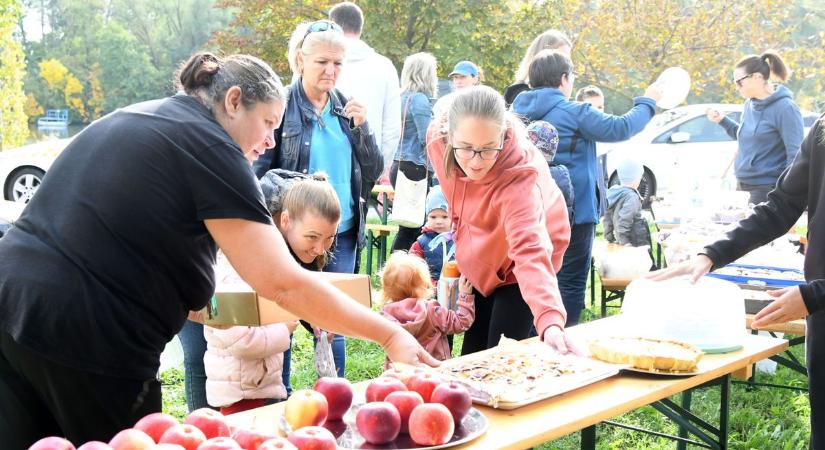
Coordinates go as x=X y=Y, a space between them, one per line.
x=430 y=323
x=511 y=226
x=244 y=363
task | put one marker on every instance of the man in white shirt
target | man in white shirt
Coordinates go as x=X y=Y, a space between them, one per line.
x=372 y=79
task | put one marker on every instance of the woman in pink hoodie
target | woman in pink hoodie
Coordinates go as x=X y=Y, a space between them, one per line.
x=510 y=219
x=407 y=292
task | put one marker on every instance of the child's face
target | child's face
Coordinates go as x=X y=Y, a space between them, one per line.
x=439 y=221
x=597 y=102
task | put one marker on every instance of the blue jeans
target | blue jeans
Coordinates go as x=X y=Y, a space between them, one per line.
x=194 y=374
x=573 y=274
x=343 y=255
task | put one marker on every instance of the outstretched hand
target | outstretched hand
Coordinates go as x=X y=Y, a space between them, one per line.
x=788 y=306
x=556 y=338
x=402 y=347
x=695 y=268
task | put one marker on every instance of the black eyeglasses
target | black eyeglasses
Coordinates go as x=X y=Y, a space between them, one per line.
x=739 y=81
x=468 y=153
x=322 y=25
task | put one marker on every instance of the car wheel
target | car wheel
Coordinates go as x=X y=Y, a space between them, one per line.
x=647 y=186
x=22 y=184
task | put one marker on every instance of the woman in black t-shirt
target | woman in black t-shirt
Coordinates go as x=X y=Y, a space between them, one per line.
x=119 y=243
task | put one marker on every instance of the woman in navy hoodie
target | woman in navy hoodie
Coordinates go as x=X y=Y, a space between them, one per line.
x=771 y=130
x=579 y=126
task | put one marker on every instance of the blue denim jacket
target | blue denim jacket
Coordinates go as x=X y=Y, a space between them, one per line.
x=291 y=151
x=416 y=113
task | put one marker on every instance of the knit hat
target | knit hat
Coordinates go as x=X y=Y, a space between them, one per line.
x=275 y=183
x=545 y=137
x=630 y=171
x=436 y=200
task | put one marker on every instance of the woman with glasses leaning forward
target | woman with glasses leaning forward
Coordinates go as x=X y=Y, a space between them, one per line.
x=771 y=129
x=510 y=219
x=325 y=131
x=579 y=126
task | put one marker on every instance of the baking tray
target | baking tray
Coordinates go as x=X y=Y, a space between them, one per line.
x=757 y=281
x=596 y=371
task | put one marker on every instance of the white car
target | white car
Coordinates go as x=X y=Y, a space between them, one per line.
x=682 y=150
x=22 y=169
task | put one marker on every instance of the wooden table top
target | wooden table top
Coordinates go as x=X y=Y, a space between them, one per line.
x=382 y=189
x=558 y=416
x=798 y=327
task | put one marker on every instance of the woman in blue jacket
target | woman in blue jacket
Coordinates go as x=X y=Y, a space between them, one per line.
x=579 y=126
x=771 y=130
x=324 y=131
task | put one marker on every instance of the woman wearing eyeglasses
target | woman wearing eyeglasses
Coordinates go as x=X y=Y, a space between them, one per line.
x=510 y=219
x=580 y=126
x=324 y=131
x=771 y=129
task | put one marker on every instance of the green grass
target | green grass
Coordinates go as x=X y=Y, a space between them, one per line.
x=760 y=418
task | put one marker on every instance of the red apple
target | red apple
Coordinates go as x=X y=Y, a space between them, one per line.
x=431 y=424
x=378 y=422
x=402 y=372
x=211 y=422
x=338 y=392
x=424 y=383
x=306 y=407
x=405 y=402
x=313 y=438
x=379 y=388
x=97 y=445
x=220 y=443
x=155 y=424
x=132 y=439
x=52 y=443
x=455 y=397
x=336 y=427
x=187 y=436
x=278 y=443
x=251 y=439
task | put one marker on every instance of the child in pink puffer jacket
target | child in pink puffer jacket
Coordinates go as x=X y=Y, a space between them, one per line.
x=407 y=291
x=243 y=365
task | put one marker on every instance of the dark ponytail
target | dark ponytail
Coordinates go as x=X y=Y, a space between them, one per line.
x=208 y=77
x=768 y=64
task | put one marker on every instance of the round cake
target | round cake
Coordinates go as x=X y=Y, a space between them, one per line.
x=709 y=314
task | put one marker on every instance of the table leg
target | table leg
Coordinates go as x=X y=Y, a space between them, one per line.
x=724 y=403
x=685 y=403
x=592 y=284
x=384 y=211
x=588 y=436
x=370 y=246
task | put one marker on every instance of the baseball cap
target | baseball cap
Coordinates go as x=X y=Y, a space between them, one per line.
x=466 y=68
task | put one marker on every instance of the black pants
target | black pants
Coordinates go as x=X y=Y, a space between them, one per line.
x=406 y=236
x=815 y=344
x=40 y=398
x=503 y=312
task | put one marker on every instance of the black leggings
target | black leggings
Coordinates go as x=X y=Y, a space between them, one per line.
x=503 y=312
x=40 y=398
x=406 y=236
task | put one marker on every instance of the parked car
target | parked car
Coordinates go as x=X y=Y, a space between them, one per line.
x=682 y=150
x=22 y=169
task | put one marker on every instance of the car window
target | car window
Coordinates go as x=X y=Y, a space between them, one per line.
x=700 y=129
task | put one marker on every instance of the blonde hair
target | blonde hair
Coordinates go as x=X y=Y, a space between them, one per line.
x=419 y=74
x=308 y=44
x=405 y=276
x=481 y=102
x=550 y=39
x=313 y=195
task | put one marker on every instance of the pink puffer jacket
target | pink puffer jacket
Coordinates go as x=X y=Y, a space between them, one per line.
x=244 y=363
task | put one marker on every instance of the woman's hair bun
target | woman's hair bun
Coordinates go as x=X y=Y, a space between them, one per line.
x=198 y=71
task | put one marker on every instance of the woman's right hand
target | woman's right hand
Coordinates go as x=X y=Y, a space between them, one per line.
x=695 y=267
x=654 y=91
x=713 y=115
x=402 y=347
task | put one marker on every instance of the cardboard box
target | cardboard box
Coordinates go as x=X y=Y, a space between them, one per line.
x=236 y=303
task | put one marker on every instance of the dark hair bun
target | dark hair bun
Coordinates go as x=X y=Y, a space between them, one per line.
x=199 y=70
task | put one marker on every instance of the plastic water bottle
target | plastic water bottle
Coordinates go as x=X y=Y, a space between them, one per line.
x=447 y=293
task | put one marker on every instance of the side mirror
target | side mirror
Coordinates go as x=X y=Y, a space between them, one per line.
x=679 y=137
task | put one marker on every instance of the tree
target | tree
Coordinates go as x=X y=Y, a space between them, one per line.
x=13 y=121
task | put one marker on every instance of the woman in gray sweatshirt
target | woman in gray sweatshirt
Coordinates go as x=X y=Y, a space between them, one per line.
x=771 y=129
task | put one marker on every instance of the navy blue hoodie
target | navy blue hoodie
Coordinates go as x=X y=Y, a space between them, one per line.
x=769 y=137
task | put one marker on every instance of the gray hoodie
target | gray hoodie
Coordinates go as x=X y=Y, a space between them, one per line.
x=769 y=137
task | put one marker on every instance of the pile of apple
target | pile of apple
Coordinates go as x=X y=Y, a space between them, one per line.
x=419 y=404
x=204 y=429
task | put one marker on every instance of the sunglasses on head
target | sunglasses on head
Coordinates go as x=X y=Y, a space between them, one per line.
x=322 y=25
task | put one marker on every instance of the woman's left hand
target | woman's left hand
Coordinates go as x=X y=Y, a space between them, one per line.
x=355 y=110
x=788 y=306
x=556 y=337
